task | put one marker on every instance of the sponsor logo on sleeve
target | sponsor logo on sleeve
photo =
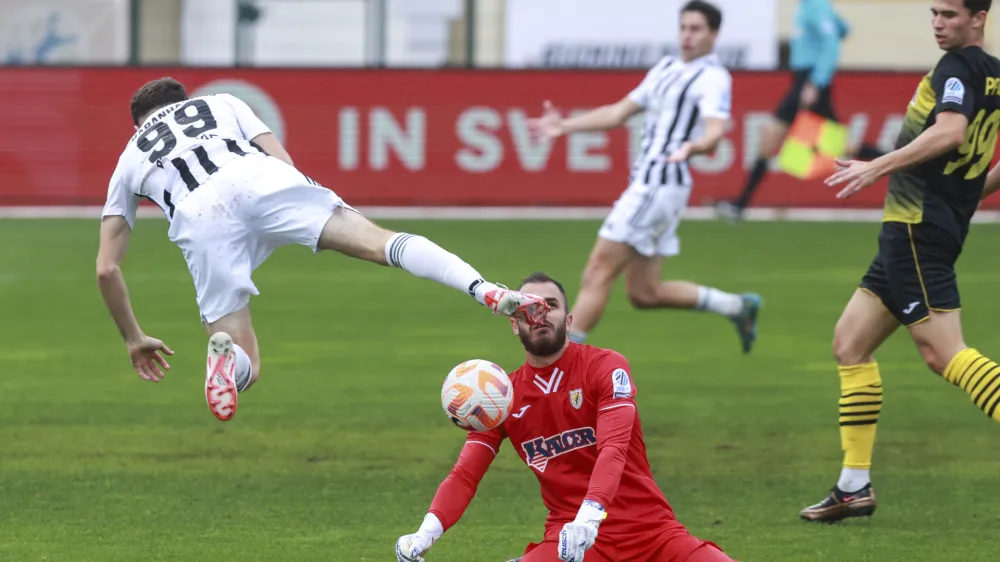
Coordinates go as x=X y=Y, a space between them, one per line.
x=621 y=383
x=954 y=91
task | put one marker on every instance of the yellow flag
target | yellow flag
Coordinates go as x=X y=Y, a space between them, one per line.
x=811 y=146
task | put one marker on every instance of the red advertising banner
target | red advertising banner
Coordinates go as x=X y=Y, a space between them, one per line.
x=414 y=137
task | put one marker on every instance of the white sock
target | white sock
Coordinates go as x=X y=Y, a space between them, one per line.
x=244 y=369
x=577 y=337
x=853 y=479
x=714 y=300
x=424 y=258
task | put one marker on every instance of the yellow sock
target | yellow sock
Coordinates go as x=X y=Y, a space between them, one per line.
x=979 y=377
x=860 y=404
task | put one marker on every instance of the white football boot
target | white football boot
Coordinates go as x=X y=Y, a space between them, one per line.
x=515 y=304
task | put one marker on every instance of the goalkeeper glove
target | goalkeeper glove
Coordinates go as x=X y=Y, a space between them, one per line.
x=410 y=548
x=579 y=535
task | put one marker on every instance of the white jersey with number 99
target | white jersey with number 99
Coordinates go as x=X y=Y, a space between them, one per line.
x=178 y=148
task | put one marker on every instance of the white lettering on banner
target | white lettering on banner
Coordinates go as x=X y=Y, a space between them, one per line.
x=856 y=128
x=483 y=151
x=532 y=153
x=384 y=132
x=579 y=157
x=349 y=133
x=480 y=131
x=890 y=130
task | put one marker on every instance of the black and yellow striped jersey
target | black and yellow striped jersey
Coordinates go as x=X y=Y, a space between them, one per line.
x=945 y=191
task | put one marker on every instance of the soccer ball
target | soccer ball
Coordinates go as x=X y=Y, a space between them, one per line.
x=477 y=395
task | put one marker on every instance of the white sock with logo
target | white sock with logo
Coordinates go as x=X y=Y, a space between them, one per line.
x=423 y=258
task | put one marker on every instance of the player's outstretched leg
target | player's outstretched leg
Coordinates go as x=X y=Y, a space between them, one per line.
x=862 y=328
x=350 y=233
x=979 y=377
x=646 y=290
x=606 y=262
x=939 y=339
x=233 y=362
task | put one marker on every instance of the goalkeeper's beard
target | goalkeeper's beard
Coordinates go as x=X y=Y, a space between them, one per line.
x=543 y=346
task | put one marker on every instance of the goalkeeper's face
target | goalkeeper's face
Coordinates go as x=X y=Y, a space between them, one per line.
x=549 y=337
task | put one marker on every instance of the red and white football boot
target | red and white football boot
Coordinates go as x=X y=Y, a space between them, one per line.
x=523 y=306
x=220 y=380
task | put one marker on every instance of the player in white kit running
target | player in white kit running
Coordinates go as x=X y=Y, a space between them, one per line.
x=687 y=106
x=232 y=197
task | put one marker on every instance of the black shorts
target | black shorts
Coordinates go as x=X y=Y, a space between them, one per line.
x=789 y=106
x=914 y=271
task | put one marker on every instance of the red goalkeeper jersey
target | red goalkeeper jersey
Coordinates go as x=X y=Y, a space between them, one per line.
x=576 y=426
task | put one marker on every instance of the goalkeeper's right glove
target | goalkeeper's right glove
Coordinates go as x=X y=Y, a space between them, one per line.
x=411 y=548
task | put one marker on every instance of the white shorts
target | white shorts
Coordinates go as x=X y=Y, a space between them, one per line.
x=230 y=224
x=646 y=218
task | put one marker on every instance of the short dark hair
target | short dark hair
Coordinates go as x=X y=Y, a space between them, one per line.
x=156 y=94
x=540 y=277
x=976 y=6
x=714 y=16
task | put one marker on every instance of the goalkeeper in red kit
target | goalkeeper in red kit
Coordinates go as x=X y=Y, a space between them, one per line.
x=574 y=423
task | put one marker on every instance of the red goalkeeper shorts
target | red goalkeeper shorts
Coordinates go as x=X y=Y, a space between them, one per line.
x=677 y=549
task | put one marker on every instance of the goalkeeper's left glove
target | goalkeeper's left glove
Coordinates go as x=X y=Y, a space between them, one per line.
x=411 y=548
x=579 y=535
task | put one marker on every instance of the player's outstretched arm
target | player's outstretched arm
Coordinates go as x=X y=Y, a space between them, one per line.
x=614 y=431
x=114 y=242
x=453 y=495
x=144 y=350
x=610 y=385
x=552 y=124
x=947 y=134
x=715 y=129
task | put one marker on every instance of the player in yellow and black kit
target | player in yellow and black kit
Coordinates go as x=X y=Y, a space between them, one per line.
x=937 y=176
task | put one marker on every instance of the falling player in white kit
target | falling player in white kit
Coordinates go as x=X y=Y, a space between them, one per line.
x=687 y=105
x=232 y=197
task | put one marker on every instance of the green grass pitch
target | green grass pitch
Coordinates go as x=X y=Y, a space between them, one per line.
x=339 y=448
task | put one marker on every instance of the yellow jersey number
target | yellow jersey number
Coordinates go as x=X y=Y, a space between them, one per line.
x=980 y=143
